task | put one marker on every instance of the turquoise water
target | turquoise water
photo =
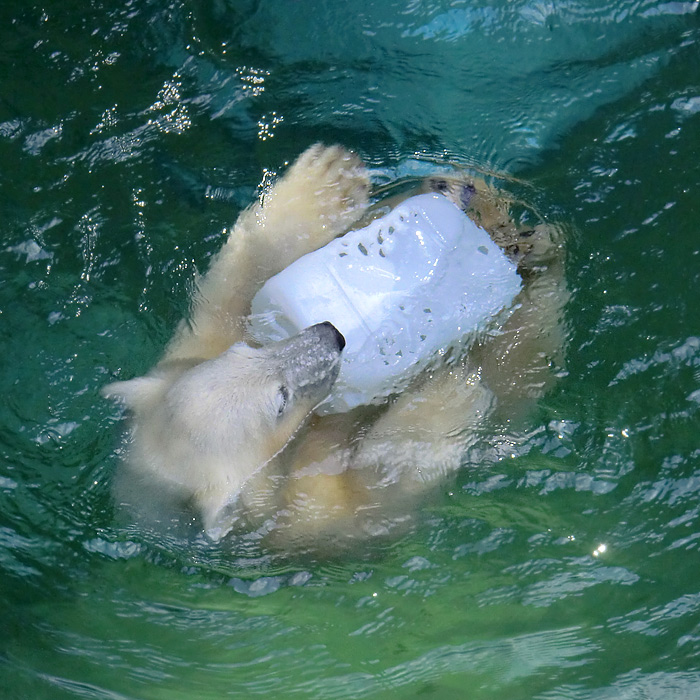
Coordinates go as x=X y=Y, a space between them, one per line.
x=132 y=133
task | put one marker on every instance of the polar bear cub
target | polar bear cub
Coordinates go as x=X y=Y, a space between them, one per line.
x=220 y=424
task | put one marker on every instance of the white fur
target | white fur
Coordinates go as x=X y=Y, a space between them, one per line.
x=217 y=419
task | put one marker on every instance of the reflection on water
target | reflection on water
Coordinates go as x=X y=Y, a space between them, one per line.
x=130 y=137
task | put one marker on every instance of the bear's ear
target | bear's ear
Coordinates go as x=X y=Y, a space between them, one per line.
x=133 y=392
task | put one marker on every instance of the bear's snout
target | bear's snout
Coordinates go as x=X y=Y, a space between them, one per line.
x=327 y=327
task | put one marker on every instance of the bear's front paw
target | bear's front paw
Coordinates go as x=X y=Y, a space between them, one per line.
x=339 y=183
x=535 y=249
x=324 y=192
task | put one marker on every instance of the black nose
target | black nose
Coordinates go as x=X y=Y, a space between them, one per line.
x=328 y=326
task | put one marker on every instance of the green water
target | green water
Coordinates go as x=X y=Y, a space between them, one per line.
x=132 y=133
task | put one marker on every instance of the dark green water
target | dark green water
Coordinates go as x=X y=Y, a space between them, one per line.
x=132 y=133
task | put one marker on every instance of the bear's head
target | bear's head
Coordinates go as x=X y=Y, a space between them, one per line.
x=203 y=430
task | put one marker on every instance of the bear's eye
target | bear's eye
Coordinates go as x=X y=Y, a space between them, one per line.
x=282 y=399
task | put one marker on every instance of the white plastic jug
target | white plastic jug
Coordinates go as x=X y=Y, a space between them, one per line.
x=422 y=278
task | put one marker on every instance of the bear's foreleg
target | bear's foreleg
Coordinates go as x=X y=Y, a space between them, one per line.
x=320 y=197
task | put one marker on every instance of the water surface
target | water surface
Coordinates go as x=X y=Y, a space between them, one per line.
x=132 y=134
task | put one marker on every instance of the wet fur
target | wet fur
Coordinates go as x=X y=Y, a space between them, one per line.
x=341 y=476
